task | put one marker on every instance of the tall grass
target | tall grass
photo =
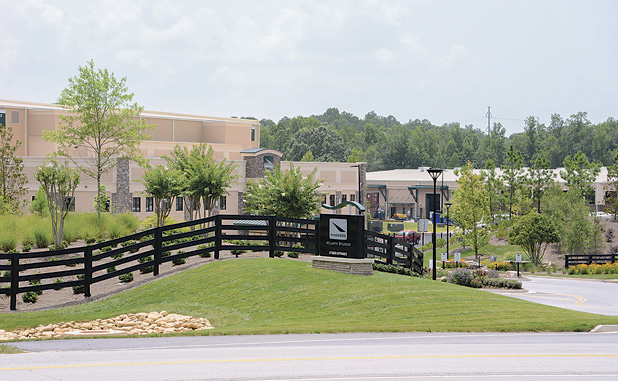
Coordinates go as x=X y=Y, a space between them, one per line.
x=32 y=229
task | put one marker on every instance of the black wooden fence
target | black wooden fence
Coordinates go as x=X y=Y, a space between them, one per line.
x=151 y=248
x=393 y=251
x=588 y=259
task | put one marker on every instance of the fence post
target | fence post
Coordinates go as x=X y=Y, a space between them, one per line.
x=589 y=259
x=87 y=270
x=14 y=281
x=158 y=250
x=566 y=261
x=317 y=236
x=391 y=250
x=272 y=236
x=218 y=222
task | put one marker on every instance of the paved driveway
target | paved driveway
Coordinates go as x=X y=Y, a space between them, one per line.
x=595 y=296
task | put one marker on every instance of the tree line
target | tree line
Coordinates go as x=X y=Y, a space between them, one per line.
x=385 y=143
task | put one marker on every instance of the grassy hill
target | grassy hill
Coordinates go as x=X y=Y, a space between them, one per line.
x=260 y=296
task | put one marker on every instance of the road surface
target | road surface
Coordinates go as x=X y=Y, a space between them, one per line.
x=376 y=356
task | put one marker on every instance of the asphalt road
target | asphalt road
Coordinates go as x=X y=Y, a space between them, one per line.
x=379 y=356
x=595 y=296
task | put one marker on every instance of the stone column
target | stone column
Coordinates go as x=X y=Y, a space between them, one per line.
x=122 y=199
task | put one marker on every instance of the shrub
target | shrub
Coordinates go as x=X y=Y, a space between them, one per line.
x=609 y=235
x=90 y=240
x=440 y=242
x=278 y=253
x=42 y=238
x=115 y=229
x=29 y=297
x=8 y=242
x=111 y=269
x=207 y=254
x=238 y=252
x=27 y=240
x=57 y=281
x=166 y=253
x=293 y=254
x=179 y=261
x=79 y=289
x=461 y=277
x=36 y=282
x=146 y=269
x=118 y=256
x=126 y=278
x=105 y=249
x=26 y=248
x=476 y=283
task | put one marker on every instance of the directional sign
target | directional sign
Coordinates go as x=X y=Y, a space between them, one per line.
x=444 y=257
x=457 y=257
x=518 y=257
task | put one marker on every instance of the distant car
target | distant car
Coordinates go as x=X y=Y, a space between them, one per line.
x=399 y=217
x=409 y=236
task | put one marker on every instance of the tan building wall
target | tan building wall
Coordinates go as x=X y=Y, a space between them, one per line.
x=231 y=139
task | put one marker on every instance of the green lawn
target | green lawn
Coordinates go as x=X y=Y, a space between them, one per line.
x=261 y=296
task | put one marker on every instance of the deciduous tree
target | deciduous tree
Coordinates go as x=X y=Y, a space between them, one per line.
x=534 y=232
x=12 y=176
x=102 y=123
x=59 y=183
x=284 y=193
x=164 y=185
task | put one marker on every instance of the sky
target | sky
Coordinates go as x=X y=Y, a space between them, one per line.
x=444 y=61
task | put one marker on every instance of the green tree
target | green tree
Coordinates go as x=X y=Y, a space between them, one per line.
x=540 y=176
x=579 y=233
x=580 y=173
x=512 y=177
x=103 y=123
x=471 y=208
x=610 y=198
x=105 y=202
x=11 y=171
x=308 y=157
x=204 y=179
x=325 y=145
x=39 y=204
x=284 y=193
x=495 y=190
x=59 y=183
x=534 y=232
x=164 y=185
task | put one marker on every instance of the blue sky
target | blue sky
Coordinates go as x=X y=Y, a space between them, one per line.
x=444 y=61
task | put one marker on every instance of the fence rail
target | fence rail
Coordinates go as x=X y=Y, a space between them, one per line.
x=393 y=251
x=149 y=249
x=588 y=259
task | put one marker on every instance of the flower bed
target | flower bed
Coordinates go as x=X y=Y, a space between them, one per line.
x=606 y=268
x=481 y=278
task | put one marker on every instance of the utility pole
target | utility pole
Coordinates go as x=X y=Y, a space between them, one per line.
x=488 y=115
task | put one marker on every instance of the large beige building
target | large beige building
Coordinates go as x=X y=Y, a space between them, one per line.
x=236 y=140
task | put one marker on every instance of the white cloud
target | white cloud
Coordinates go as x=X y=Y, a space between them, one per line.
x=384 y=55
x=411 y=40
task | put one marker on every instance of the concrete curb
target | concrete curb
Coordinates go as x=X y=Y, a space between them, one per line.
x=605 y=329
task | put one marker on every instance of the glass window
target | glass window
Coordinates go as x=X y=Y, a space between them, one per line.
x=15 y=117
x=137 y=204
x=70 y=203
x=253 y=133
x=179 y=203
x=332 y=200
x=149 y=204
x=352 y=197
x=344 y=197
x=223 y=203
x=269 y=163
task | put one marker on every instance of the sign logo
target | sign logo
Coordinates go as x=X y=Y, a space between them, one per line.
x=338 y=229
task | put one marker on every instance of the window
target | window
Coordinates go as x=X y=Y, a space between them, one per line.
x=137 y=204
x=149 y=204
x=352 y=197
x=222 y=203
x=70 y=203
x=324 y=199
x=344 y=198
x=252 y=133
x=269 y=163
x=332 y=200
x=179 y=203
x=15 y=117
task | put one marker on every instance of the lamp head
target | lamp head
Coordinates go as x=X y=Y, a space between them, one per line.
x=434 y=172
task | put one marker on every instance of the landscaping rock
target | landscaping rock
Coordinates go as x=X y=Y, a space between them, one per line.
x=131 y=324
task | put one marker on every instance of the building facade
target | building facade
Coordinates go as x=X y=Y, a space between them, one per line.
x=236 y=140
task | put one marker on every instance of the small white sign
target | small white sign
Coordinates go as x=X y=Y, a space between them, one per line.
x=457 y=257
x=444 y=257
x=431 y=263
x=517 y=257
x=338 y=229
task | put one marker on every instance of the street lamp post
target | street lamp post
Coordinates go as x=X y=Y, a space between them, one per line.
x=448 y=222
x=434 y=173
